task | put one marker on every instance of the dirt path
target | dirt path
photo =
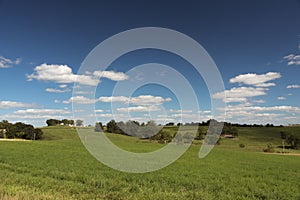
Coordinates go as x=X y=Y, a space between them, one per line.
x=14 y=140
x=284 y=154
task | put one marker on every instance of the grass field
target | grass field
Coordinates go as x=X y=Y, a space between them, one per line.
x=59 y=167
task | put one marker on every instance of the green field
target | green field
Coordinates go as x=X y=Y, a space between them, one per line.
x=59 y=167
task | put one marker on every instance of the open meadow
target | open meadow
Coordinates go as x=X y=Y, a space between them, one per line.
x=59 y=167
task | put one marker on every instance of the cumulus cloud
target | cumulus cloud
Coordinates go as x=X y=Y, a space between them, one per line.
x=148 y=100
x=239 y=94
x=248 y=109
x=248 y=113
x=139 y=109
x=257 y=80
x=293 y=86
x=6 y=63
x=80 y=100
x=42 y=111
x=139 y=100
x=63 y=86
x=114 y=99
x=112 y=75
x=292 y=59
x=57 y=90
x=13 y=104
x=180 y=111
x=38 y=116
x=64 y=74
x=281 y=98
x=60 y=74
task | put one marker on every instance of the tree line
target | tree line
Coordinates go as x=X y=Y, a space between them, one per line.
x=64 y=122
x=151 y=131
x=19 y=130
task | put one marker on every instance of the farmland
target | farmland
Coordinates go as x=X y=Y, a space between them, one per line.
x=59 y=167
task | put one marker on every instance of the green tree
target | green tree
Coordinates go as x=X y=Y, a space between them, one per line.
x=53 y=122
x=24 y=131
x=200 y=134
x=79 y=122
x=113 y=127
x=293 y=140
x=98 y=127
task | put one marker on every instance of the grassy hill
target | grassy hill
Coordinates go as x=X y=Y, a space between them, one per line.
x=59 y=167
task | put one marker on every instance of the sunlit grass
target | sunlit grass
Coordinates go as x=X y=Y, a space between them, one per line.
x=59 y=167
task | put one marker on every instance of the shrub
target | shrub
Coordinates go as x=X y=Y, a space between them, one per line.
x=269 y=148
x=242 y=145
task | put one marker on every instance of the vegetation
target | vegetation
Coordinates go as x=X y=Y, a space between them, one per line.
x=55 y=122
x=79 y=122
x=19 y=130
x=98 y=127
x=67 y=171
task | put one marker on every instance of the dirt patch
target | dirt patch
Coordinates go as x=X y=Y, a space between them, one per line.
x=284 y=154
x=14 y=140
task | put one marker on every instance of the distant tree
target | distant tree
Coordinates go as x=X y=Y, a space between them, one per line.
x=283 y=135
x=24 y=131
x=53 y=122
x=179 y=124
x=228 y=129
x=162 y=137
x=293 y=140
x=79 y=122
x=71 y=122
x=170 y=124
x=114 y=127
x=67 y=122
x=200 y=134
x=98 y=127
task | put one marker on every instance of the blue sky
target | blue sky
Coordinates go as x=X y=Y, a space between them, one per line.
x=255 y=45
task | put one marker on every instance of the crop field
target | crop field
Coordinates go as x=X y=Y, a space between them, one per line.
x=59 y=167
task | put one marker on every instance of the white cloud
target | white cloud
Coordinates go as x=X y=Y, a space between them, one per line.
x=239 y=94
x=42 y=111
x=180 y=111
x=113 y=116
x=293 y=86
x=139 y=100
x=258 y=80
x=57 y=90
x=64 y=74
x=56 y=101
x=148 y=100
x=80 y=100
x=13 y=104
x=114 y=99
x=139 y=109
x=82 y=92
x=99 y=110
x=258 y=101
x=63 y=86
x=281 y=98
x=60 y=74
x=248 y=109
x=292 y=59
x=112 y=75
x=6 y=63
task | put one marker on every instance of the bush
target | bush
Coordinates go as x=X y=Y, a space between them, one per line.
x=242 y=145
x=98 y=127
x=269 y=148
